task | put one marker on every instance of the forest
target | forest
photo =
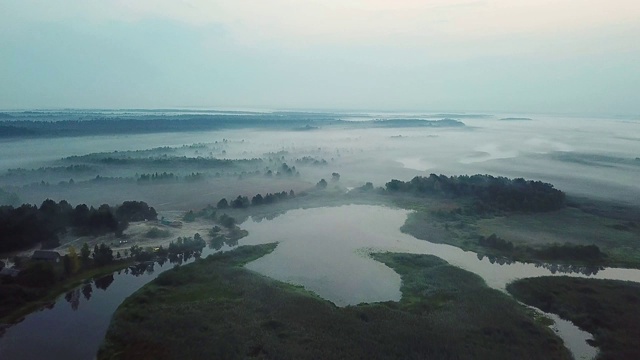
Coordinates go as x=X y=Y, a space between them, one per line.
x=27 y=225
x=489 y=193
x=30 y=124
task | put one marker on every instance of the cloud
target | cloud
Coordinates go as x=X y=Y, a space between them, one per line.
x=322 y=53
x=437 y=29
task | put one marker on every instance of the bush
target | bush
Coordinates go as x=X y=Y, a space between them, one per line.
x=489 y=193
x=155 y=233
x=495 y=242
x=589 y=253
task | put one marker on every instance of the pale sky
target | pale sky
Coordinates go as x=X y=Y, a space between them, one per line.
x=561 y=56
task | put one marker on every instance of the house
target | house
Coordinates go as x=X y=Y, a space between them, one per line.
x=46 y=255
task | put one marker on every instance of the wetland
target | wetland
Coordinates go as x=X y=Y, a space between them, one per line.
x=342 y=223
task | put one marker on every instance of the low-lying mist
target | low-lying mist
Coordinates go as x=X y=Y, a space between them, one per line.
x=586 y=157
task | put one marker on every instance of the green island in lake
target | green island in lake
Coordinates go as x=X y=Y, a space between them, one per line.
x=445 y=312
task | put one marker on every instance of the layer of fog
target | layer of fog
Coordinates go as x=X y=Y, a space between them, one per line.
x=486 y=145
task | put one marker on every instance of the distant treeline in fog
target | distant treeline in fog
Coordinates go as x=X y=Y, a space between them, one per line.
x=62 y=124
x=489 y=193
x=27 y=225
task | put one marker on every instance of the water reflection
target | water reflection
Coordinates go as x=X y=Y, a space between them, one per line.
x=73 y=327
x=219 y=241
x=572 y=269
x=104 y=282
x=87 y=289
x=324 y=249
x=73 y=298
x=566 y=269
x=269 y=216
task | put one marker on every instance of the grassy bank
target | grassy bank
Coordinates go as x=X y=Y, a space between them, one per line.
x=531 y=237
x=18 y=301
x=608 y=309
x=215 y=308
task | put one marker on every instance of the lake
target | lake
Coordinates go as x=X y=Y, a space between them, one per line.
x=324 y=249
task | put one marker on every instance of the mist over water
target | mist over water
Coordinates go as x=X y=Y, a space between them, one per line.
x=326 y=249
x=581 y=156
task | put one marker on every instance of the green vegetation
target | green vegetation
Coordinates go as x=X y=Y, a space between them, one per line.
x=190 y=216
x=183 y=247
x=494 y=242
x=9 y=198
x=579 y=254
x=227 y=221
x=489 y=194
x=155 y=233
x=218 y=239
x=167 y=162
x=39 y=282
x=579 y=234
x=25 y=226
x=164 y=176
x=215 y=308
x=28 y=124
x=242 y=202
x=186 y=244
x=135 y=211
x=607 y=309
x=322 y=184
x=614 y=235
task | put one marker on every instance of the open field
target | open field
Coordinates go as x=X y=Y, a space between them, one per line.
x=620 y=240
x=566 y=225
x=611 y=230
x=138 y=234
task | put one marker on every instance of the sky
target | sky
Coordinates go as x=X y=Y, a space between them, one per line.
x=542 y=56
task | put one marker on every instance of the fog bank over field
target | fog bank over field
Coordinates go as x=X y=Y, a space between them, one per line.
x=595 y=157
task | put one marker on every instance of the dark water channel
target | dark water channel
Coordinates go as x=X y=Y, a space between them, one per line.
x=74 y=326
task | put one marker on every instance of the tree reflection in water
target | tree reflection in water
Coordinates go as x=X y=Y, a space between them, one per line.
x=588 y=270
x=87 y=289
x=104 y=282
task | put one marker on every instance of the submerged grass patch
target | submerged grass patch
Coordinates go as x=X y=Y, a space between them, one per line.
x=608 y=309
x=215 y=308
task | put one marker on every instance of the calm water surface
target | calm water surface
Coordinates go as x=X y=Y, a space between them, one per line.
x=324 y=249
x=75 y=325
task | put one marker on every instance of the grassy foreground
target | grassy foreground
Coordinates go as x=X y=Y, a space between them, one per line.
x=606 y=308
x=217 y=309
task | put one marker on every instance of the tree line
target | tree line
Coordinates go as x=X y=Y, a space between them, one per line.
x=242 y=202
x=28 y=225
x=489 y=193
x=555 y=252
x=183 y=247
